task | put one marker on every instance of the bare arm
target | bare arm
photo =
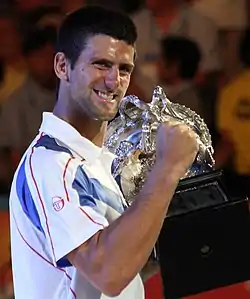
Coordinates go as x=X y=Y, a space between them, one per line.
x=115 y=255
x=112 y=257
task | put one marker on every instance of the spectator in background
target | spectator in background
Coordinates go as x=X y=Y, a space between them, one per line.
x=41 y=17
x=162 y=18
x=177 y=70
x=22 y=113
x=12 y=62
x=231 y=18
x=233 y=122
x=46 y=13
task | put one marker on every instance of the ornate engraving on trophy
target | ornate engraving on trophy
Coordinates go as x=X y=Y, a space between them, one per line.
x=131 y=137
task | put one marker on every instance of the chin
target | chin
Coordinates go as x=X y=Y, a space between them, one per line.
x=107 y=117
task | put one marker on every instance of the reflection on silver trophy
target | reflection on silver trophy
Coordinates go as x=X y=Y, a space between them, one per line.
x=132 y=138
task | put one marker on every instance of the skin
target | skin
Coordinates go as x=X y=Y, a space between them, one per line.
x=106 y=64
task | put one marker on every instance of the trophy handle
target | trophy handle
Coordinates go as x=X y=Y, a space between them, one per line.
x=159 y=97
x=150 y=113
x=146 y=139
x=133 y=100
x=146 y=132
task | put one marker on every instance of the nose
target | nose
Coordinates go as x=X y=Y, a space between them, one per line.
x=112 y=79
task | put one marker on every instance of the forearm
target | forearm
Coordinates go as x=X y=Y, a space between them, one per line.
x=127 y=243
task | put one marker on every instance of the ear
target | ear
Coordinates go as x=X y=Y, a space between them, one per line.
x=61 y=66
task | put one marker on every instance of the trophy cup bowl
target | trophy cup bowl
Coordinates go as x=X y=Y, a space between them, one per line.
x=132 y=138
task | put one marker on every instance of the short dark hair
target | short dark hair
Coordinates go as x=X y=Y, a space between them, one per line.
x=88 y=21
x=38 y=38
x=183 y=51
x=244 y=48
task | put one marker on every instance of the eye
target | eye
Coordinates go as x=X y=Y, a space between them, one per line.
x=125 y=70
x=102 y=65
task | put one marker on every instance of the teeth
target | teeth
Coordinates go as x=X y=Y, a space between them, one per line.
x=104 y=95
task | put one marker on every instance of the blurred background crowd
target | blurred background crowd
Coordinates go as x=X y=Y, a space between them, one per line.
x=197 y=50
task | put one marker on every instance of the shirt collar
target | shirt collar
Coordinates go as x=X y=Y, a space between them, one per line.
x=70 y=137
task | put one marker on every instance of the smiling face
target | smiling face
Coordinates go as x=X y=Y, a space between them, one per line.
x=100 y=77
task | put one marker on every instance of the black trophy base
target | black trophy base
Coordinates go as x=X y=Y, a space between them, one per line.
x=205 y=248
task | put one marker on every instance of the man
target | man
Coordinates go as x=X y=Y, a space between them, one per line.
x=162 y=18
x=12 y=60
x=23 y=109
x=34 y=96
x=180 y=58
x=230 y=16
x=67 y=232
x=233 y=123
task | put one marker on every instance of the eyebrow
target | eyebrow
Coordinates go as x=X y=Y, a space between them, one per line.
x=110 y=62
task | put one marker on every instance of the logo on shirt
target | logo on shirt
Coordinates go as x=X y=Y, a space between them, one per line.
x=58 y=203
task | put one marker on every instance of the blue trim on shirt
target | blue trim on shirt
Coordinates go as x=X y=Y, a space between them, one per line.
x=51 y=144
x=90 y=190
x=25 y=198
x=63 y=263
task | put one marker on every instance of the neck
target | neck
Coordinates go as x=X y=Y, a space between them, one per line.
x=93 y=130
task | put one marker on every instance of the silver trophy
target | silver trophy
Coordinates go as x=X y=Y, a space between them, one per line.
x=132 y=138
x=198 y=232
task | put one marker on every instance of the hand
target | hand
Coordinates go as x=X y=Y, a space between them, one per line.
x=176 y=147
